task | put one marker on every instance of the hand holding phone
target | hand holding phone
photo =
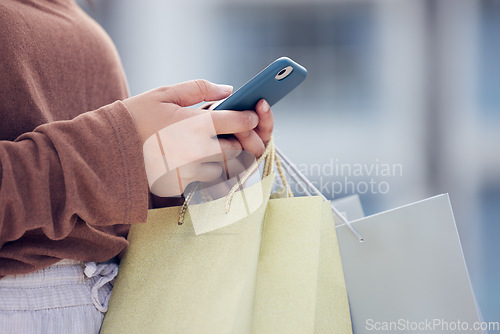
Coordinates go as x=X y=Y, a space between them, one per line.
x=271 y=84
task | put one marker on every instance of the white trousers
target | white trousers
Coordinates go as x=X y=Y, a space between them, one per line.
x=68 y=297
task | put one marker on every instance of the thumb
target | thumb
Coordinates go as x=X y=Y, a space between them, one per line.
x=191 y=92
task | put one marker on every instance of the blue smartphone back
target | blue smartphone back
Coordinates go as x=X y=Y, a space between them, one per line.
x=266 y=86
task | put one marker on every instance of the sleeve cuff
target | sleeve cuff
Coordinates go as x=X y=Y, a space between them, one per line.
x=130 y=152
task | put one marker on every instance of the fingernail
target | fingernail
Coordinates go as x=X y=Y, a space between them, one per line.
x=265 y=106
x=226 y=88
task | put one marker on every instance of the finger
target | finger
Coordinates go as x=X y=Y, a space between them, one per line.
x=231 y=121
x=195 y=91
x=234 y=167
x=251 y=142
x=239 y=167
x=266 y=121
x=229 y=147
x=217 y=189
x=207 y=172
x=221 y=187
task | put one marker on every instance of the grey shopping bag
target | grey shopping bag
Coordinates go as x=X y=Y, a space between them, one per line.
x=409 y=274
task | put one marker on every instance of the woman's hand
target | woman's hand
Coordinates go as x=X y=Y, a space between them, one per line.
x=188 y=146
x=255 y=140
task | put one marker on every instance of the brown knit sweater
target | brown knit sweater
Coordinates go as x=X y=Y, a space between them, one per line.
x=71 y=168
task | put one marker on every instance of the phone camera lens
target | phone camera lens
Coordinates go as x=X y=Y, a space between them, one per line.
x=283 y=73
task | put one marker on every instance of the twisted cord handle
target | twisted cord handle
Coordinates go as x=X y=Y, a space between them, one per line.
x=269 y=157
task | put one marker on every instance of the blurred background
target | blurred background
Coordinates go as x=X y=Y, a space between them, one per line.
x=402 y=99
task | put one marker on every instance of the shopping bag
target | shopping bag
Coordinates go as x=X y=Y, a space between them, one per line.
x=300 y=282
x=409 y=273
x=174 y=281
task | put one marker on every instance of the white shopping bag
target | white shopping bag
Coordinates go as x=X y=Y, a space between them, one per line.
x=409 y=274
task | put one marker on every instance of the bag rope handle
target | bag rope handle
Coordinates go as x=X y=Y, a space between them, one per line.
x=182 y=212
x=269 y=156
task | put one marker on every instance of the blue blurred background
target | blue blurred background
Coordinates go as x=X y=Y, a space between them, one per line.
x=408 y=87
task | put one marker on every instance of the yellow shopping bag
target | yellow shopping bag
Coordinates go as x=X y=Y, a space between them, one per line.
x=300 y=282
x=173 y=281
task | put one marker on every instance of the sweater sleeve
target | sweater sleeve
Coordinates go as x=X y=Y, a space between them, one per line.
x=90 y=167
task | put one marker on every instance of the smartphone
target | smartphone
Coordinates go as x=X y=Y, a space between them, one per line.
x=272 y=84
